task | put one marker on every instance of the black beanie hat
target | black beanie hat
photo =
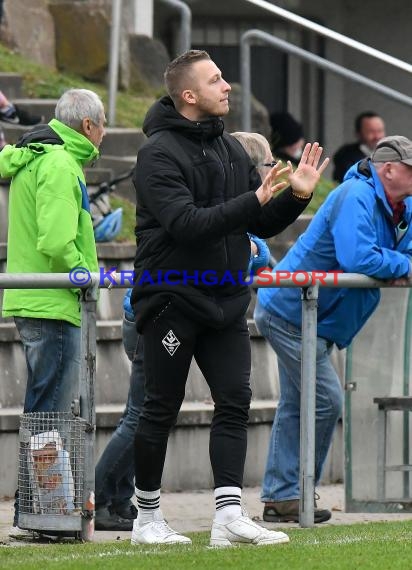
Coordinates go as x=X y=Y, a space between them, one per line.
x=285 y=130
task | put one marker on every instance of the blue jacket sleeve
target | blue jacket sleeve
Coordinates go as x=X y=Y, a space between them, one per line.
x=262 y=258
x=360 y=246
x=127 y=307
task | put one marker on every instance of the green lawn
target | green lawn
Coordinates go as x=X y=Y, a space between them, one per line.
x=40 y=82
x=377 y=546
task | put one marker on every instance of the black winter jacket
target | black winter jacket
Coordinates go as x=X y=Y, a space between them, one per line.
x=195 y=188
x=344 y=158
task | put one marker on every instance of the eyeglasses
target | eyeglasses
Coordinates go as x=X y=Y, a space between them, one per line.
x=270 y=164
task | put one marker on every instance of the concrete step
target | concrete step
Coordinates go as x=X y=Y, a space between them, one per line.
x=41 y=107
x=117 y=143
x=191 y=413
x=187 y=461
x=97 y=175
x=113 y=367
x=187 y=465
x=122 y=142
x=11 y=85
x=120 y=165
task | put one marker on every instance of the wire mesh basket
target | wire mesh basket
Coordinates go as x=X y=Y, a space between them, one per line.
x=51 y=471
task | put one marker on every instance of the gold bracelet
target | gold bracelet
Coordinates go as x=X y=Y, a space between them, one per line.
x=300 y=196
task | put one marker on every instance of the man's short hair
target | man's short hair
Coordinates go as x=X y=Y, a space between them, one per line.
x=177 y=72
x=365 y=115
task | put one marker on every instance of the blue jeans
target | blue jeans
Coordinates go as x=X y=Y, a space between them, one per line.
x=115 y=468
x=281 y=478
x=52 y=351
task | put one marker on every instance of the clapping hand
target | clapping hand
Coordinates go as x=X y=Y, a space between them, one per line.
x=270 y=185
x=303 y=180
x=307 y=174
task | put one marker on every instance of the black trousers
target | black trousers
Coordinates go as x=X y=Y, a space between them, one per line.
x=170 y=341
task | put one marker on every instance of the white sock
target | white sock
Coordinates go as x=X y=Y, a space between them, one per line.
x=228 y=504
x=148 y=505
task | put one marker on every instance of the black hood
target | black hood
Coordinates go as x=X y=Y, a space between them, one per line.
x=162 y=116
x=40 y=134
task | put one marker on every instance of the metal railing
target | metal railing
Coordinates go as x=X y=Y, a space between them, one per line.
x=245 y=71
x=185 y=35
x=331 y=34
x=310 y=292
x=185 y=39
x=308 y=56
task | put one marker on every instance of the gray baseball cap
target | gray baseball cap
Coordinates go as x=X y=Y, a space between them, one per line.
x=393 y=149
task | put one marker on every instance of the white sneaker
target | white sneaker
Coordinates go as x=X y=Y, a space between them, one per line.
x=20 y=533
x=244 y=530
x=156 y=532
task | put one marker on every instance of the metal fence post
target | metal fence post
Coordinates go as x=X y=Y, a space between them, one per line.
x=184 y=40
x=245 y=81
x=308 y=405
x=115 y=30
x=87 y=402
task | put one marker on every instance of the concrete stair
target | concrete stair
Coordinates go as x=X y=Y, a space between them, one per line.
x=119 y=147
x=41 y=107
x=11 y=84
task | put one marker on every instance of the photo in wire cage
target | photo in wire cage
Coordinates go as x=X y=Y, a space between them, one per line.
x=50 y=474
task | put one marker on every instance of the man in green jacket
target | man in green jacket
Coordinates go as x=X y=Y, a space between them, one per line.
x=51 y=231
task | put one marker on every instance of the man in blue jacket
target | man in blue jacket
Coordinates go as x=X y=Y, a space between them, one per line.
x=364 y=226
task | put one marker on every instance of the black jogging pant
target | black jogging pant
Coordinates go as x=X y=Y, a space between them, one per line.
x=170 y=341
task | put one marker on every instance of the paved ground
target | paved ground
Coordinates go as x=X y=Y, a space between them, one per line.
x=193 y=511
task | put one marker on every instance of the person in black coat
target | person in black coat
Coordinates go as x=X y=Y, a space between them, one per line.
x=197 y=197
x=287 y=140
x=369 y=129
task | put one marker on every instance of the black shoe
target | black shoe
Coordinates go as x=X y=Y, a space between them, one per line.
x=27 y=119
x=288 y=511
x=106 y=520
x=126 y=510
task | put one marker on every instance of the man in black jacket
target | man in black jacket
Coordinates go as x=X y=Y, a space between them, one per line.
x=198 y=194
x=369 y=130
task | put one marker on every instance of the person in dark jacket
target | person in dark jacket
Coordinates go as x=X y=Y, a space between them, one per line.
x=369 y=129
x=287 y=140
x=198 y=196
x=114 y=474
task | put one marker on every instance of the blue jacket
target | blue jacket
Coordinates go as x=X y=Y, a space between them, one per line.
x=352 y=231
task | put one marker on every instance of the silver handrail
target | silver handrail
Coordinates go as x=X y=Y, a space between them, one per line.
x=115 y=30
x=245 y=73
x=310 y=290
x=185 y=24
x=327 y=32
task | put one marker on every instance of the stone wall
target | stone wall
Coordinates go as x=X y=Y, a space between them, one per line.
x=28 y=27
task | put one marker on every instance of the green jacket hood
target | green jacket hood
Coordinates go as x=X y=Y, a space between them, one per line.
x=53 y=137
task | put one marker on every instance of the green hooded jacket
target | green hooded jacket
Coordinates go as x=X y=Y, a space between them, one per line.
x=50 y=227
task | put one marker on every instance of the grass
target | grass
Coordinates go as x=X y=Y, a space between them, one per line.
x=374 y=546
x=45 y=83
x=322 y=189
x=129 y=218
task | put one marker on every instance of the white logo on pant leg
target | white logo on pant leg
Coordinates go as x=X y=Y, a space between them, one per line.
x=171 y=342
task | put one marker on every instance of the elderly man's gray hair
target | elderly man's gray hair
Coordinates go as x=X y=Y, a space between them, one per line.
x=78 y=104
